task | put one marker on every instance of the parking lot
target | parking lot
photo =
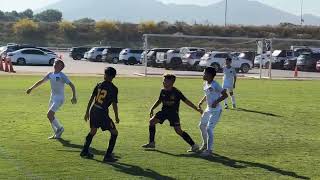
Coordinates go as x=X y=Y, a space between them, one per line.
x=83 y=67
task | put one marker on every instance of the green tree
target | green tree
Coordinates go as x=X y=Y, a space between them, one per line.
x=107 y=29
x=68 y=29
x=85 y=21
x=49 y=15
x=25 y=29
x=26 y=14
x=147 y=27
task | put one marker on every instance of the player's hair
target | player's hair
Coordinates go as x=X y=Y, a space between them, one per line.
x=229 y=59
x=110 y=71
x=61 y=62
x=171 y=77
x=211 y=71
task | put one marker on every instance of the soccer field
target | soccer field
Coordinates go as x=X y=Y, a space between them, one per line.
x=275 y=133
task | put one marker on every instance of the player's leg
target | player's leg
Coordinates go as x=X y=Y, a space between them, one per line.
x=203 y=129
x=85 y=151
x=152 y=131
x=112 y=142
x=186 y=137
x=213 y=120
x=160 y=117
x=233 y=99
x=226 y=101
x=55 y=124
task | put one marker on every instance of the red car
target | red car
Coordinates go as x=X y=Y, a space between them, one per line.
x=318 y=66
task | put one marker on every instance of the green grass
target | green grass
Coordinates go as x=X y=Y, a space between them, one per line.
x=275 y=136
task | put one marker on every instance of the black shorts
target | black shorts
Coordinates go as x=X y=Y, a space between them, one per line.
x=172 y=117
x=100 y=119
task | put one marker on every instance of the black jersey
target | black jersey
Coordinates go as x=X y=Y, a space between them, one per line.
x=105 y=94
x=171 y=99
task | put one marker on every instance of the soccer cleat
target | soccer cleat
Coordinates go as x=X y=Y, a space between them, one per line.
x=151 y=145
x=234 y=106
x=203 y=148
x=109 y=158
x=206 y=153
x=59 y=132
x=86 y=154
x=52 y=137
x=194 y=148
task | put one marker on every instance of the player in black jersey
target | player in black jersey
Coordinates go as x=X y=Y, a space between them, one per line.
x=104 y=94
x=170 y=98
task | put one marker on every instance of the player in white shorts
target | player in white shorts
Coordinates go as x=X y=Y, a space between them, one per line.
x=229 y=82
x=57 y=81
x=214 y=94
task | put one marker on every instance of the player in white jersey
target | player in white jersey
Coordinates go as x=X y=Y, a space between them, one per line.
x=57 y=82
x=214 y=94
x=229 y=82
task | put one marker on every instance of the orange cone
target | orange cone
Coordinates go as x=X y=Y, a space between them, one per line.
x=11 y=67
x=296 y=72
x=6 y=65
x=1 y=65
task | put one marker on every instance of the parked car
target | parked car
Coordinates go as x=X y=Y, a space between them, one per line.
x=130 y=56
x=191 y=60
x=217 y=61
x=173 y=58
x=95 y=54
x=31 y=56
x=152 y=56
x=290 y=64
x=263 y=58
x=308 y=62
x=250 y=55
x=318 y=66
x=77 y=53
x=279 y=58
x=111 y=55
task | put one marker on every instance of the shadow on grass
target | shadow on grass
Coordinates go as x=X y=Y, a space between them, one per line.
x=238 y=163
x=257 y=112
x=67 y=143
x=134 y=170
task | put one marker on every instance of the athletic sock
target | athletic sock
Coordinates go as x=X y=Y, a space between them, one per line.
x=87 y=142
x=152 y=133
x=53 y=128
x=204 y=134
x=226 y=102
x=187 y=138
x=112 y=143
x=233 y=99
x=56 y=123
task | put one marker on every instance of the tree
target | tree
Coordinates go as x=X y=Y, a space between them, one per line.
x=12 y=16
x=2 y=16
x=26 y=14
x=147 y=27
x=49 y=15
x=107 y=28
x=68 y=29
x=25 y=29
x=85 y=21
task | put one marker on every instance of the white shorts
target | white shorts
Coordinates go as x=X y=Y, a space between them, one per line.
x=55 y=103
x=210 y=118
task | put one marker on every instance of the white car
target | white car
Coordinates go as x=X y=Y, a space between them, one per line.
x=95 y=54
x=217 y=61
x=191 y=60
x=31 y=56
x=263 y=58
x=130 y=56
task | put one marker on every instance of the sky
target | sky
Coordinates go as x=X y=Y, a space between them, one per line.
x=291 y=6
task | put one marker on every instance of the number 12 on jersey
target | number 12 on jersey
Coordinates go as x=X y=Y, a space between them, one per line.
x=101 y=96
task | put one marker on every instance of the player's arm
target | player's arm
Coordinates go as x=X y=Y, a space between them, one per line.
x=202 y=101
x=155 y=105
x=86 y=117
x=234 y=82
x=223 y=96
x=74 y=97
x=37 y=84
x=116 y=112
x=193 y=106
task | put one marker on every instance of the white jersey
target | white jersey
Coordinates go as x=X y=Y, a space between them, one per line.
x=228 y=77
x=213 y=93
x=57 y=82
